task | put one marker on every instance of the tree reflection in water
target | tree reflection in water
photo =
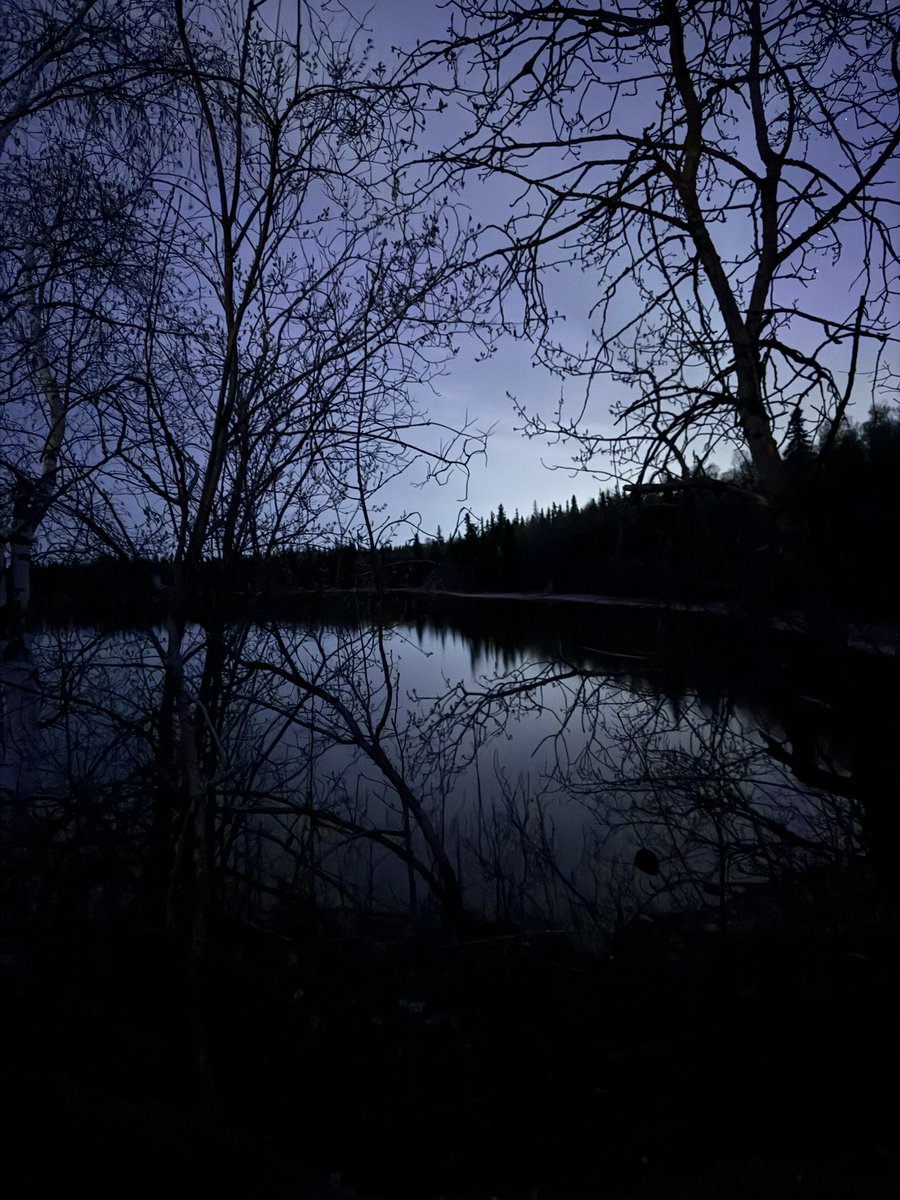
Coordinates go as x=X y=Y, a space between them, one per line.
x=634 y=802
x=375 y=767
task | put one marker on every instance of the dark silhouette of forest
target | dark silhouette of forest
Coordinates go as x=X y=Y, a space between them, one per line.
x=699 y=540
x=706 y=538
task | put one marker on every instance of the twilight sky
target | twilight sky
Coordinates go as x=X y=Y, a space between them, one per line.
x=517 y=472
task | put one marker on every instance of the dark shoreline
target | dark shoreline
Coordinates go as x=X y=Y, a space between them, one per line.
x=129 y=610
x=367 y=1058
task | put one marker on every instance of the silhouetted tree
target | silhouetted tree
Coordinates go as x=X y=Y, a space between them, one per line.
x=707 y=166
x=88 y=98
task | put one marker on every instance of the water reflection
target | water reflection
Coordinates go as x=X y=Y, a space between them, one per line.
x=577 y=774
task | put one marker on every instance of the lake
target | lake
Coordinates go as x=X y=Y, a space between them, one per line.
x=578 y=768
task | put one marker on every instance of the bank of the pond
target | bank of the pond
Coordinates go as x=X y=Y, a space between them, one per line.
x=738 y=1054
x=828 y=627
x=60 y=596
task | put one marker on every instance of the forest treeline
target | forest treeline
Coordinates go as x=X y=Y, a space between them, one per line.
x=705 y=539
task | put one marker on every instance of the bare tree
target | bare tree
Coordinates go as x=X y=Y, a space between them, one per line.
x=714 y=170
x=298 y=296
x=217 y=315
x=86 y=107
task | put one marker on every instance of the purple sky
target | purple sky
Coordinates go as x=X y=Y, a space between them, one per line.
x=516 y=471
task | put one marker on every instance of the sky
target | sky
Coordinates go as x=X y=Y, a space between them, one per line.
x=518 y=472
x=487 y=392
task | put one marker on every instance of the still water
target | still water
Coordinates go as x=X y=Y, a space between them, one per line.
x=578 y=769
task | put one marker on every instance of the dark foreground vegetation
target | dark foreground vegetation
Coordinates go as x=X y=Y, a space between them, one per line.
x=359 y=1056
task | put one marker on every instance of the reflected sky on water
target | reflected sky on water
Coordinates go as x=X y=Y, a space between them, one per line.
x=575 y=773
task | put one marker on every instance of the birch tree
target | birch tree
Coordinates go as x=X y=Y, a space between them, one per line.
x=297 y=298
x=220 y=305
x=83 y=99
x=217 y=320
